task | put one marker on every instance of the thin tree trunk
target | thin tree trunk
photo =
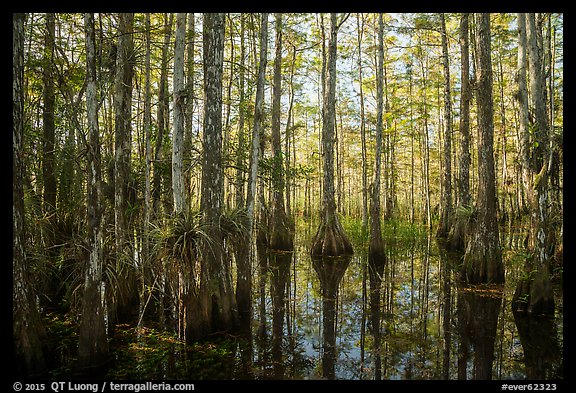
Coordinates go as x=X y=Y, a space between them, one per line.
x=360 y=27
x=446 y=197
x=92 y=341
x=28 y=332
x=179 y=98
x=280 y=236
x=330 y=239
x=48 y=145
x=483 y=257
x=376 y=254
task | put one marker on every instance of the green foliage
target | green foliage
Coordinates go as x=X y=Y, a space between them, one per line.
x=152 y=354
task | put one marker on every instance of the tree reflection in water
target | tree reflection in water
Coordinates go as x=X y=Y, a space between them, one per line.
x=342 y=319
x=330 y=272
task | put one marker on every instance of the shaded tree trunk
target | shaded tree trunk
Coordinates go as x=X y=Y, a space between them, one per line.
x=483 y=257
x=27 y=330
x=127 y=295
x=92 y=341
x=446 y=197
x=280 y=237
x=48 y=141
x=179 y=98
x=330 y=239
x=534 y=292
x=215 y=282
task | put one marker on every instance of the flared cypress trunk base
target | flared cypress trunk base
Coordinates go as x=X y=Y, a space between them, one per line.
x=331 y=240
x=482 y=264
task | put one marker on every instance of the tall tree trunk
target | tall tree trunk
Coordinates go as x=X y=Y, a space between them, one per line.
x=360 y=28
x=215 y=286
x=162 y=116
x=483 y=257
x=330 y=239
x=122 y=167
x=240 y=154
x=280 y=236
x=534 y=293
x=28 y=332
x=190 y=103
x=376 y=254
x=92 y=341
x=48 y=141
x=179 y=98
x=148 y=161
x=446 y=197
x=457 y=235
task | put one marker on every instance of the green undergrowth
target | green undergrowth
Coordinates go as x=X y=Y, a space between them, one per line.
x=143 y=353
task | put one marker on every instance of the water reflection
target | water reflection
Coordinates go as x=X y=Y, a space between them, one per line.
x=330 y=271
x=478 y=310
x=408 y=319
x=539 y=340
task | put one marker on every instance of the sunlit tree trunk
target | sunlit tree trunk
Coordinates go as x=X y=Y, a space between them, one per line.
x=360 y=27
x=92 y=341
x=457 y=235
x=27 y=330
x=534 y=292
x=376 y=254
x=330 y=239
x=483 y=257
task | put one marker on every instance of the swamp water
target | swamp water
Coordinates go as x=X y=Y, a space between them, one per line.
x=324 y=319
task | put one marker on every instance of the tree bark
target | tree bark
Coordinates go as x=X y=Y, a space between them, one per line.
x=122 y=166
x=457 y=235
x=330 y=239
x=48 y=126
x=360 y=27
x=376 y=254
x=92 y=341
x=280 y=236
x=179 y=99
x=28 y=332
x=483 y=257
x=446 y=197
x=534 y=292
x=215 y=286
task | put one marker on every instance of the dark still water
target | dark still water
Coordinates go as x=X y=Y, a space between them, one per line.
x=343 y=319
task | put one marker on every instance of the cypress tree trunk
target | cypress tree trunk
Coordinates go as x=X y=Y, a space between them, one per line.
x=534 y=292
x=28 y=332
x=127 y=297
x=446 y=197
x=376 y=254
x=330 y=239
x=280 y=236
x=244 y=262
x=215 y=285
x=179 y=93
x=92 y=342
x=483 y=257
x=457 y=235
